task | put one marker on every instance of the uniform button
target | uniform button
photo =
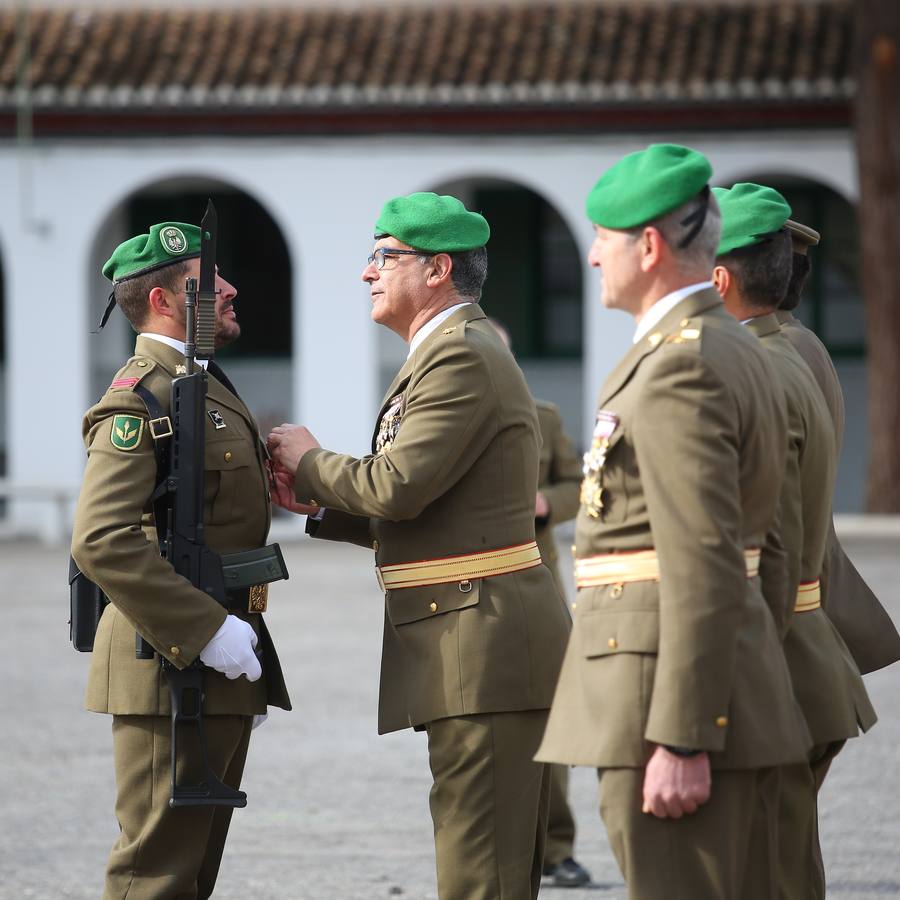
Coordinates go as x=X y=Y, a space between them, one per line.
x=613 y=643
x=375 y=546
x=432 y=606
x=227 y=456
x=175 y=651
x=573 y=549
x=574 y=605
x=616 y=591
x=314 y=502
x=142 y=363
x=722 y=721
x=685 y=323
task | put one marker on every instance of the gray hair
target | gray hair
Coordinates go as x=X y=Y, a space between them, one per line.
x=469 y=271
x=700 y=254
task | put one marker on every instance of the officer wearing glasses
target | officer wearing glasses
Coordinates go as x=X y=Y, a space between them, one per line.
x=474 y=626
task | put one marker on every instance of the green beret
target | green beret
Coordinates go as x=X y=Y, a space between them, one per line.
x=645 y=185
x=750 y=212
x=435 y=224
x=167 y=243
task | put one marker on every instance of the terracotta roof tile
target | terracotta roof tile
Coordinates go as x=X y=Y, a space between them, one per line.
x=436 y=54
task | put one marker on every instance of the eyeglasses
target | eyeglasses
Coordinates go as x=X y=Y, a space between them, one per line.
x=379 y=255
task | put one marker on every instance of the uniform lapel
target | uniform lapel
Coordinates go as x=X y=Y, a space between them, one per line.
x=173 y=362
x=467 y=314
x=692 y=305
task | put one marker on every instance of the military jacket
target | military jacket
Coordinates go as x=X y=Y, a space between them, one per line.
x=856 y=612
x=694 y=456
x=559 y=479
x=453 y=470
x=114 y=542
x=826 y=681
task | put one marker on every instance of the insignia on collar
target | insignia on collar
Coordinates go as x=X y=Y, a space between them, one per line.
x=180 y=370
x=216 y=418
x=126 y=432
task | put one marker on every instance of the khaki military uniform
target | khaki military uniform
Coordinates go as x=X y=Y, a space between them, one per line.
x=473 y=661
x=690 y=465
x=163 y=853
x=826 y=681
x=559 y=479
x=862 y=621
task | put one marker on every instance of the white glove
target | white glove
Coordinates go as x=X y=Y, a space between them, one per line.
x=231 y=650
x=258 y=720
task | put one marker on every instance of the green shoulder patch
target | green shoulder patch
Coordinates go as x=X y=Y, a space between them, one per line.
x=126 y=432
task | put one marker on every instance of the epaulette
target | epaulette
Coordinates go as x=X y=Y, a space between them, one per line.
x=688 y=330
x=131 y=374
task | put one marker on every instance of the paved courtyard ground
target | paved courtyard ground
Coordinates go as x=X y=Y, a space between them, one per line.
x=335 y=812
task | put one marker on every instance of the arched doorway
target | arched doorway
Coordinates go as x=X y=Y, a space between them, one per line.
x=832 y=306
x=252 y=254
x=534 y=287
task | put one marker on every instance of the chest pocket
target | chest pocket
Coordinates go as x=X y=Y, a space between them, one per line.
x=229 y=463
x=604 y=490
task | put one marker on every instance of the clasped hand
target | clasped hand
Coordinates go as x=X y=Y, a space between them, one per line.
x=287 y=443
x=676 y=785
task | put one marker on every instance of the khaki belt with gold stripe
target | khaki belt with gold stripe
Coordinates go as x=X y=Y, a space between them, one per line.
x=459 y=568
x=642 y=565
x=809 y=596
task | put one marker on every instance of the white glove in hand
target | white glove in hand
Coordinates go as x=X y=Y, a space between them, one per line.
x=231 y=650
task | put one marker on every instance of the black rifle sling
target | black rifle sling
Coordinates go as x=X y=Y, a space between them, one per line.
x=159 y=497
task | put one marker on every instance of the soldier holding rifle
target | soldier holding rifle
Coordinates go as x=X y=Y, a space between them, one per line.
x=165 y=852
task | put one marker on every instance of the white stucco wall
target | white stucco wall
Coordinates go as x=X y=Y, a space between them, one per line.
x=324 y=194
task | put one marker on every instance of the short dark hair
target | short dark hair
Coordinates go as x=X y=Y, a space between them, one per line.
x=131 y=295
x=762 y=271
x=800 y=269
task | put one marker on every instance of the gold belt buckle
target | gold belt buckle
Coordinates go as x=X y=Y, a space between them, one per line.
x=259 y=598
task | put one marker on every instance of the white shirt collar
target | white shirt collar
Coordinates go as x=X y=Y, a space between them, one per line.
x=431 y=324
x=664 y=305
x=174 y=343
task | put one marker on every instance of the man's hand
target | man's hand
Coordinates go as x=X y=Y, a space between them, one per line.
x=282 y=492
x=287 y=444
x=230 y=650
x=676 y=785
x=541 y=507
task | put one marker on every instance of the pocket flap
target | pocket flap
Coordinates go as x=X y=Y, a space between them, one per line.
x=414 y=604
x=224 y=455
x=619 y=631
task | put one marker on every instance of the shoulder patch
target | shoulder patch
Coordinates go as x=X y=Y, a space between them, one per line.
x=123 y=383
x=126 y=432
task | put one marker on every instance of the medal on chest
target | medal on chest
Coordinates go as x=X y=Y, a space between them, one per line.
x=594 y=461
x=389 y=425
